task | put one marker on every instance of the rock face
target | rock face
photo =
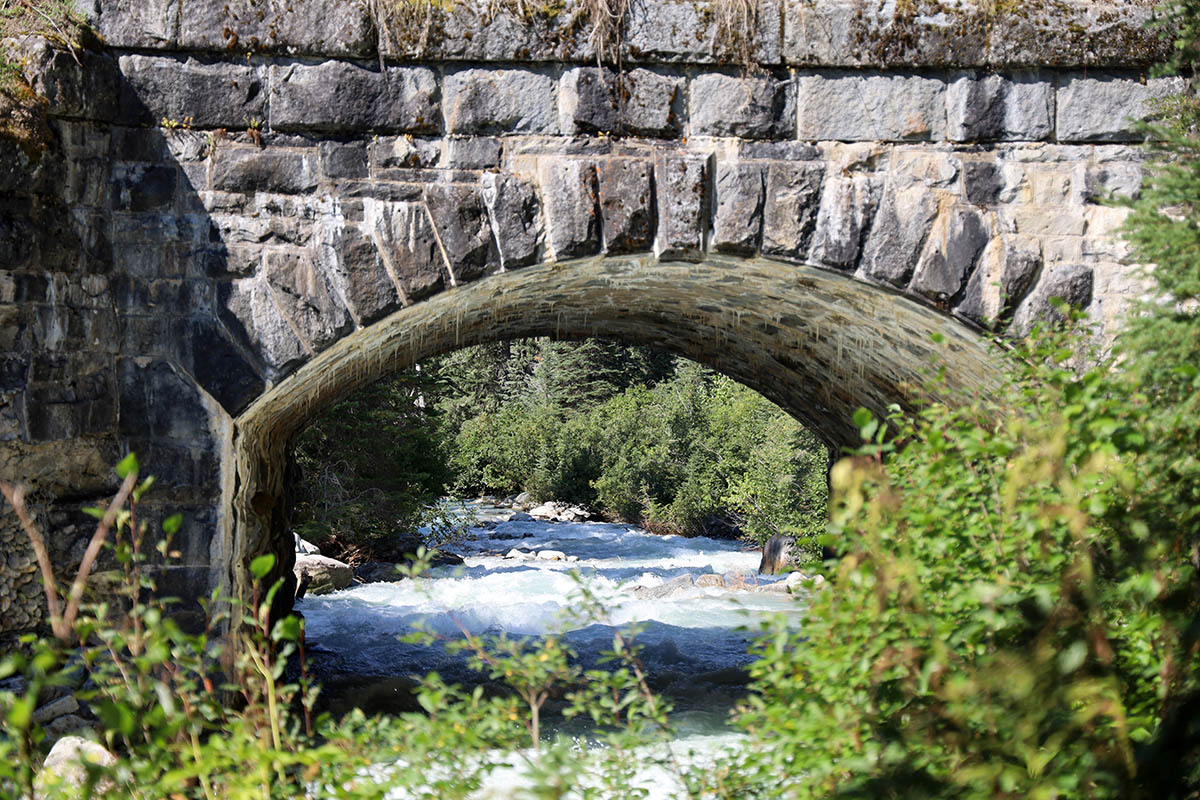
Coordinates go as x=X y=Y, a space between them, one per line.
x=325 y=574
x=211 y=244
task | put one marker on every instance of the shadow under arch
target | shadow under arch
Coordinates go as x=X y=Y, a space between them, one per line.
x=819 y=344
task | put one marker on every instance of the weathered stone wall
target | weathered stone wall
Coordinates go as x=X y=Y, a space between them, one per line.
x=246 y=206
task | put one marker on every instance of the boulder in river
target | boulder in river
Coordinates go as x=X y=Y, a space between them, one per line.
x=664 y=590
x=523 y=499
x=552 y=555
x=518 y=554
x=377 y=572
x=520 y=516
x=710 y=581
x=775 y=555
x=305 y=547
x=325 y=574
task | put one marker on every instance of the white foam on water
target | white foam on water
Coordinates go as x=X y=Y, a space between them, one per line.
x=693 y=631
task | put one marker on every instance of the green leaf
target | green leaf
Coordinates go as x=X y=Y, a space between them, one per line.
x=171 y=524
x=95 y=512
x=262 y=565
x=1073 y=657
x=862 y=416
x=127 y=465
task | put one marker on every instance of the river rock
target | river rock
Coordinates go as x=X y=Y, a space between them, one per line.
x=710 y=581
x=775 y=555
x=377 y=572
x=306 y=547
x=664 y=590
x=63 y=726
x=327 y=574
x=520 y=516
x=523 y=499
x=552 y=555
x=520 y=555
x=63 y=768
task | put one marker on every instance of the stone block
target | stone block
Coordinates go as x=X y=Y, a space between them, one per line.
x=1006 y=269
x=484 y=31
x=626 y=205
x=71 y=89
x=254 y=170
x=487 y=101
x=344 y=159
x=681 y=187
x=220 y=368
x=303 y=294
x=350 y=259
x=850 y=106
x=1015 y=107
x=209 y=95
x=516 y=217
x=1071 y=283
x=308 y=27
x=792 y=204
x=144 y=187
x=405 y=152
x=341 y=96
x=150 y=24
x=587 y=101
x=688 y=32
x=848 y=205
x=462 y=223
x=409 y=247
x=157 y=401
x=473 y=152
x=650 y=104
x=745 y=107
x=249 y=312
x=898 y=234
x=570 y=195
x=1103 y=107
x=982 y=182
x=738 y=212
x=954 y=242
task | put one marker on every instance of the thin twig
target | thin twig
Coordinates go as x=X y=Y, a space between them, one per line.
x=93 y=550
x=16 y=498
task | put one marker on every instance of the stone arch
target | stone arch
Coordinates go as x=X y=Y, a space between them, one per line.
x=818 y=343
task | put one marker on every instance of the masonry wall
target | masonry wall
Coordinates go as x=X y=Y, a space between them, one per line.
x=233 y=187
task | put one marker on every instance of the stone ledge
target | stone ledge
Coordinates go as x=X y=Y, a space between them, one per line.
x=802 y=33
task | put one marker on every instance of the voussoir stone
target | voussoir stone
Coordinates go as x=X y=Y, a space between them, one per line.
x=626 y=207
x=793 y=200
x=847 y=207
x=462 y=222
x=570 y=194
x=681 y=184
x=302 y=292
x=898 y=234
x=248 y=310
x=738 y=217
x=408 y=245
x=399 y=99
x=515 y=211
x=1071 y=283
x=1001 y=280
x=749 y=108
x=484 y=101
x=350 y=258
x=957 y=236
x=203 y=94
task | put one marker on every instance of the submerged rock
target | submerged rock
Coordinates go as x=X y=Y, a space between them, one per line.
x=377 y=572
x=664 y=590
x=325 y=574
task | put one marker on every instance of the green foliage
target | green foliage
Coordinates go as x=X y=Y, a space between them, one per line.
x=369 y=469
x=635 y=434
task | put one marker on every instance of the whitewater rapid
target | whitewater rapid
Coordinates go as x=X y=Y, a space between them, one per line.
x=695 y=642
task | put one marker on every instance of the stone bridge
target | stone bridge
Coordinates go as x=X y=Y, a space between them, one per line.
x=246 y=209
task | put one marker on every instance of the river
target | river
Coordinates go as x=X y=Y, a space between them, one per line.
x=695 y=639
